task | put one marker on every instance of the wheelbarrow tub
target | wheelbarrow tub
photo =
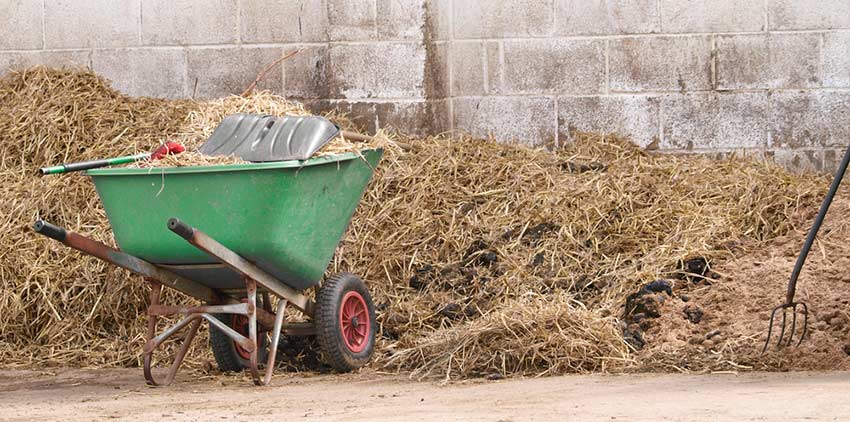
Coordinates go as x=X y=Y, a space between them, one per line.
x=286 y=217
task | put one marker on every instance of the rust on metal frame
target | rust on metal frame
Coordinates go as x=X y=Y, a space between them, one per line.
x=235 y=308
x=194 y=315
x=241 y=265
x=154 y=341
x=126 y=261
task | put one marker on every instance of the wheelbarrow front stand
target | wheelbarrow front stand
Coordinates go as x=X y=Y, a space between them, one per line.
x=215 y=302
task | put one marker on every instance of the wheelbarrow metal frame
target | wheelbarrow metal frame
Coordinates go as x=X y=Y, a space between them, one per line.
x=216 y=302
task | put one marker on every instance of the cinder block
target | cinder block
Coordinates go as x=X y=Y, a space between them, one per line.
x=65 y=58
x=306 y=74
x=712 y=16
x=384 y=70
x=757 y=154
x=470 y=63
x=527 y=120
x=768 y=61
x=91 y=23
x=714 y=121
x=503 y=18
x=495 y=70
x=660 y=64
x=267 y=21
x=713 y=155
x=808 y=14
x=20 y=24
x=438 y=20
x=418 y=118
x=633 y=116
x=229 y=70
x=836 y=60
x=810 y=119
x=606 y=17
x=437 y=69
x=351 y=20
x=188 y=22
x=144 y=72
x=799 y=160
x=831 y=160
x=361 y=114
x=440 y=115
x=554 y=67
x=400 y=19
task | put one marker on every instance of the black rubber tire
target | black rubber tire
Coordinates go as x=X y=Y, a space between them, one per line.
x=328 y=330
x=224 y=350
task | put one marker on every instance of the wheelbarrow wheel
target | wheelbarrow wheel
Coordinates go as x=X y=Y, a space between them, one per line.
x=345 y=322
x=229 y=356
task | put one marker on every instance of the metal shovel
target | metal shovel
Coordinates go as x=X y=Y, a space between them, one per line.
x=260 y=138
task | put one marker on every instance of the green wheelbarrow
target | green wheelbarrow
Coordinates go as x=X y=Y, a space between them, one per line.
x=235 y=237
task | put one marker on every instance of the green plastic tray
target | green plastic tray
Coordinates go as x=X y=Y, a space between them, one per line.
x=287 y=217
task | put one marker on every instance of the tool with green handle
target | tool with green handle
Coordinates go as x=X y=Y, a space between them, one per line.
x=168 y=148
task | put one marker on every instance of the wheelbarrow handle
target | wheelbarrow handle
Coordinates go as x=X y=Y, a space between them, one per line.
x=128 y=262
x=52 y=231
x=180 y=228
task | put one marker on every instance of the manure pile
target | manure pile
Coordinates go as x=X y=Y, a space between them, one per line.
x=482 y=257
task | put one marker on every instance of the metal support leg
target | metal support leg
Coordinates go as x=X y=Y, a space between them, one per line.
x=251 y=290
x=154 y=341
x=194 y=315
x=156 y=292
x=278 y=323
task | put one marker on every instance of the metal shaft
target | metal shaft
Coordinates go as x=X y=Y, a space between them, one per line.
x=93 y=164
x=128 y=262
x=813 y=232
x=239 y=264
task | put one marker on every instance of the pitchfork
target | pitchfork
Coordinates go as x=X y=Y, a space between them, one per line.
x=792 y=284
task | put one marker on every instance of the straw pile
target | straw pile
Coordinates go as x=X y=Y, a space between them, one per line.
x=500 y=258
x=482 y=257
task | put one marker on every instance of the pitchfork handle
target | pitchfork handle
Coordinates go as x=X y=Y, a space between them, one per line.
x=813 y=232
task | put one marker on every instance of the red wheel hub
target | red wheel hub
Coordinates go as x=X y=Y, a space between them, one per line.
x=240 y=324
x=354 y=322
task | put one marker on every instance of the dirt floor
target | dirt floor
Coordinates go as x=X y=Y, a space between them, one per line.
x=120 y=394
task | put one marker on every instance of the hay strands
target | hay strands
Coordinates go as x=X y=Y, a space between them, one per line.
x=472 y=249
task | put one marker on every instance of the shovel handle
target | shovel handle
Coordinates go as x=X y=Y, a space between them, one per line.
x=93 y=164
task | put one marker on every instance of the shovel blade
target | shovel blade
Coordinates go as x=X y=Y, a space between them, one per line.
x=261 y=138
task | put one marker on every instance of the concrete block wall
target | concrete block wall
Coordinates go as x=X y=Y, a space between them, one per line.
x=767 y=77
x=365 y=56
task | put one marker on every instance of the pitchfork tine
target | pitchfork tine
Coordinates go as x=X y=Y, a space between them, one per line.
x=769 y=330
x=805 y=322
x=782 y=331
x=793 y=324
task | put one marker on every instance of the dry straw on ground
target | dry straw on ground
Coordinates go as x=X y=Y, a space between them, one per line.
x=482 y=257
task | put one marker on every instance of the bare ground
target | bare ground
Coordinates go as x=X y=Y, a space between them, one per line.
x=120 y=394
